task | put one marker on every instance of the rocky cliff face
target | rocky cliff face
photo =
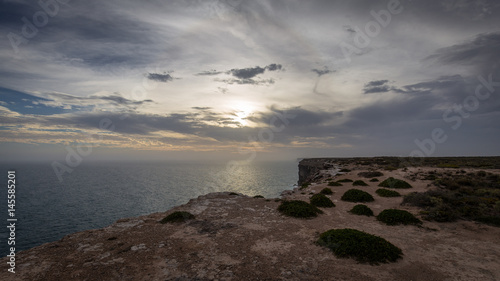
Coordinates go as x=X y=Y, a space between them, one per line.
x=313 y=169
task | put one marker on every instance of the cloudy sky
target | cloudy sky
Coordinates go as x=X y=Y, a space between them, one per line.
x=263 y=79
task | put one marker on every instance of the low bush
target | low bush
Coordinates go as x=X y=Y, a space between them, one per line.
x=344 y=170
x=359 y=183
x=326 y=191
x=359 y=245
x=356 y=195
x=258 y=196
x=394 y=183
x=370 y=174
x=345 y=180
x=440 y=213
x=387 y=193
x=395 y=217
x=304 y=185
x=418 y=199
x=495 y=221
x=298 y=209
x=361 y=210
x=177 y=217
x=333 y=183
x=320 y=200
x=374 y=180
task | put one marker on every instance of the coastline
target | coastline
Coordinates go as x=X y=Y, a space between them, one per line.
x=235 y=237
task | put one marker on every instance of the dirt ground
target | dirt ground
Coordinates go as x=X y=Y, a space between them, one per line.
x=235 y=237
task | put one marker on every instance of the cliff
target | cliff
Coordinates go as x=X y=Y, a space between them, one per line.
x=236 y=237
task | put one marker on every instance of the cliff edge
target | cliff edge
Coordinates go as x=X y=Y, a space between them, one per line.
x=236 y=237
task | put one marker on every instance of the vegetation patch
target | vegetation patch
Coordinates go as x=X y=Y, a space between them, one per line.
x=387 y=193
x=470 y=196
x=258 y=196
x=326 y=191
x=394 y=183
x=344 y=170
x=374 y=180
x=304 y=185
x=179 y=216
x=356 y=195
x=333 y=183
x=345 y=180
x=361 y=210
x=298 y=209
x=233 y=193
x=359 y=245
x=320 y=200
x=395 y=217
x=359 y=183
x=370 y=174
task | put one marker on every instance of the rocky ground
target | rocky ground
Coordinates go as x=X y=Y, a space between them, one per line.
x=235 y=237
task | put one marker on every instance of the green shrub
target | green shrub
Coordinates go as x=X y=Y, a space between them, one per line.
x=332 y=183
x=359 y=183
x=447 y=165
x=177 y=217
x=298 y=209
x=304 y=185
x=394 y=183
x=440 y=213
x=356 y=195
x=258 y=196
x=418 y=199
x=494 y=221
x=362 y=246
x=395 y=217
x=390 y=168
x=374 y=180
x=344 y=170
x=320 y=200
x=361 y=210
x=233 y=193
x=345 y=180
x=326 y=191
x=387 y=193
x=370 y=174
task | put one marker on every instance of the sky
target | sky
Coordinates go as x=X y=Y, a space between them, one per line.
x=248 y=80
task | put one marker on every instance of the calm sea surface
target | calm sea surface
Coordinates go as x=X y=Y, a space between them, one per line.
x=96 y=195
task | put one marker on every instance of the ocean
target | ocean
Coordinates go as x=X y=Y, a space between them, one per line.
x=95 y=195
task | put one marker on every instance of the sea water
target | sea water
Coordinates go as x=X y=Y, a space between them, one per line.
x=95 y=195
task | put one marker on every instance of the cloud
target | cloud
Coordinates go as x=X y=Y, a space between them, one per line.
x=247 y=73
x=209 y=73
x=322 y=72
x=165 y=77
x=245 y=82
x=481 y=53
x=377 y=86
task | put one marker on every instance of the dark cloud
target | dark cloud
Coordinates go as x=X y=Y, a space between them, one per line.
x=322 y=72
x=209 y=73
x=246 y=82
x=247 y=73
x=165 y=77
x=481 y=52
x=377 y=86
x=453 y=83
x=274 y=67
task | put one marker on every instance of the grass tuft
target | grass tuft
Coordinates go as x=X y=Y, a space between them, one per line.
x=320 y=200
x=359 y=245
x=387 y=193
x=396 y=217
x=356 y=195
x=298 y=209
x=177 y=217
x=361 y=210
x=394 y=183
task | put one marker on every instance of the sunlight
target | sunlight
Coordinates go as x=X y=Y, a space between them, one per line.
x=241 y=111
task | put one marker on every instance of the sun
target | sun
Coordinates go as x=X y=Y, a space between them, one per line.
x=241 y=111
